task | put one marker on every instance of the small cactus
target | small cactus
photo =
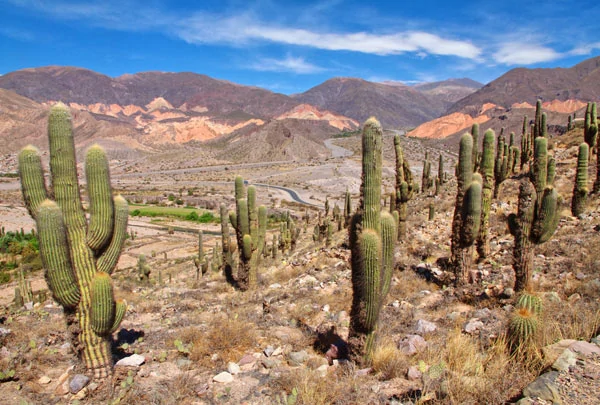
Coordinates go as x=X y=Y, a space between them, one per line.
x=405 y=188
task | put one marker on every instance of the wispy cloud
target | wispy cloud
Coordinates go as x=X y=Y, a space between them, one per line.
x=203 y=29
x=584 y=50
x=288 y=64
x=18 y=34
x=517 y=53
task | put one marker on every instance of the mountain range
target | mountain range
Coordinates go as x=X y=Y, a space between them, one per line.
x=151 y=111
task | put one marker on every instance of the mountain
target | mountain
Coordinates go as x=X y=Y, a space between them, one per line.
x=395 y=105
x=190 y=90
x=451 y=90
x=580 y=82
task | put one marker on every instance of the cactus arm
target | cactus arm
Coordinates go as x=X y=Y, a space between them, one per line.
x=487 y=173
x=580 y=189
x=547 y=219
x=120 y=310
x=55 y=255
x=101 y=223
x=388 y=238
x=109 y=258
x=31 y=174
x=102 y=314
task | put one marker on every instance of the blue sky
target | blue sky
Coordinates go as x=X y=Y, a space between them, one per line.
x=290 y=46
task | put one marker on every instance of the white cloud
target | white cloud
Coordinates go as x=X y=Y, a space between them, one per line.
x=238 y=30
x=289 y=64
x=584 y=50
x=518 y=53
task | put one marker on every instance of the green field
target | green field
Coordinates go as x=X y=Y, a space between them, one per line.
x=186 y=214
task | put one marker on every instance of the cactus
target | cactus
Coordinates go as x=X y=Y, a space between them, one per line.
x=143 y=268
x=250 y=225
x=441 y=176
x=326 y=206
x=522 y=329
x=531 y=302
x=467 y=212
x=526 y=152
x=347 y=208
x=487 y=173
x=25 y=287
x=475 y=152
x=372 y=237
x=329 y=233
x=200 y=261
x=431 y=211
x=78 y=256
x=228 y=248
x=590 y=128
x=537 y=214
x=405 y=189
x=580 y=189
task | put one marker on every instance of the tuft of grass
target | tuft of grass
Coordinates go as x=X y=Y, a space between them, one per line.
x=227 y=339
x=389 y=362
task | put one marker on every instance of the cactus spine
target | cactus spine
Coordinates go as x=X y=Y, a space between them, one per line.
x=78 y=256
x=250 y=225
x=405 y=188
x=372 y=235
x=487 y=174
x=467 y=212
x=537 y=214
x=580 y=190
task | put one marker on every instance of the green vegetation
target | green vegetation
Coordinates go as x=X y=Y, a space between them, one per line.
x=347 y=134
x=187 y=214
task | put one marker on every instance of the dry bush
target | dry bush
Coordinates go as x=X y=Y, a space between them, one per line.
x=389 y=362
x=339 y=387
x=476 y=375
x=563 y=320
x=228 y=338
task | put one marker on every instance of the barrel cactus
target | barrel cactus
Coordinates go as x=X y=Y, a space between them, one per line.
x=78 y=255
x=372 y=238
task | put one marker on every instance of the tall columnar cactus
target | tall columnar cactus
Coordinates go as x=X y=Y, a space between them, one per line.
x=537 y=125
x=487 y=173
x=228 y=247
x=78 y=255
x=590 y=127
x=580 y=190
x=537 y=215
x=467 y=212
x=250 y=225
x=476 y=156
x=372 y=237
x=405 y=188
x=441 y=174
x=526 y=151
x=505 y=158
x=201 y=261
x=347 y=208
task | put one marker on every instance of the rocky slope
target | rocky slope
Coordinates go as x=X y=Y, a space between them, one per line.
x=580 y=82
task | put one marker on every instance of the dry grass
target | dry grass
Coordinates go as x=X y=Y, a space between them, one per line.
x=227 y=338
x=475 y=374
x=340 y=387
x=389 y=362
x=561 y=320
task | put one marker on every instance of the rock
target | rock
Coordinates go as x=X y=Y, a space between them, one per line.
x=362 y=372
x=270 y=362
x=396 y=304
x=508 y=292
x=78 y=382
x=414 y=373
x=44 y=380
x=233 y=368
x=81 y=394
x=322 y=370
x=275 y=286
x=553 y=351
x=184 y=363
x=223 y=377
x=424 y=326
x=4 y=332
x=325 y=308
x=585 y=348
x=297 y=358
x=482 y=313
x=573 y=298
x=565 y=360
x=544 y=387
x=135 y=360
x=473 y=325
x=412 y=344
x=596 y=340
x=269 y=351
x=29 y=306
x=277 y=352
x=525 y=401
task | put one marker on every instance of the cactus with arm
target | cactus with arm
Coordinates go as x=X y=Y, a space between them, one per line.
x=78 y=256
